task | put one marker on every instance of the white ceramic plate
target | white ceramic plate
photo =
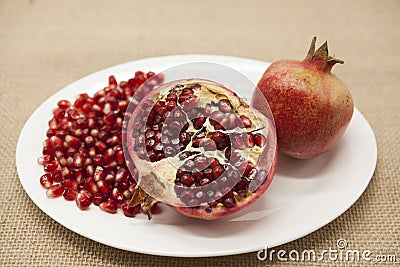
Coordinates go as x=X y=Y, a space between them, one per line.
x=304 y=196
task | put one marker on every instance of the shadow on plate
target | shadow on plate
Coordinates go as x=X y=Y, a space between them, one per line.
x=303 y=168
x=229 y=225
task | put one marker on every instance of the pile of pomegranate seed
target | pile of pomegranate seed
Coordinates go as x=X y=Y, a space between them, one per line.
x=83 y=157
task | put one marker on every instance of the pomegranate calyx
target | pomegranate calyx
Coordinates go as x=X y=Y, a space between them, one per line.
x=321 y=58
x=140 y=197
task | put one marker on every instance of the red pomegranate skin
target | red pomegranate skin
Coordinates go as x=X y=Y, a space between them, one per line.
x=311 y=106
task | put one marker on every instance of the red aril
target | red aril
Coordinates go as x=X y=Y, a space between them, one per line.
x=70 y=194
x=46 y=180
x=55 y=191
x=83 y=199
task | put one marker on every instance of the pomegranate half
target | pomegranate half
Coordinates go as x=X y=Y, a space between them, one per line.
x=199 y=148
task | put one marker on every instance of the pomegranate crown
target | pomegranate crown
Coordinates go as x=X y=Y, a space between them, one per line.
x=321 y=58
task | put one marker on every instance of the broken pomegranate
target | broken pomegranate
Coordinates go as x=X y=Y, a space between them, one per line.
x=200 y=148
x=83 y=157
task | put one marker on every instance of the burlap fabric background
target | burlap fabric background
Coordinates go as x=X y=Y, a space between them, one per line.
x=45 y=45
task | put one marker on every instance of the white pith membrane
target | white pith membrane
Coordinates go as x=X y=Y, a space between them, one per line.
x=158 y=179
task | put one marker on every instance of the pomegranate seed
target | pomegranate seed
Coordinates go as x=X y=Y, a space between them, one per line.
x=50 y=132
x=59 y=154
x=248 y=169
x=81 y=124
x=89 y=140
x=66 y=173
x=98 y=198
x=109 y=206
x=123 y=84
x=69 y=183
x=92 y=151
x=246 y=121
x=70 y=194
x=224 y=105
x=208 y=145
x=117 y=195
x=45 y=159
x=53 y=123
x=72 y=141
x=98 y=159
x=55 y=191
x=190 y=102
x=110 y=118
x=71 y=152
x=187 y=92
x=127 y=194
x=89 y=171
x=78 y=160
x=58 y=113
x=108 y=156
x=229 y=202
x=259 y=139
x=214 y=162
x=250 y=140
x=110 y=178
x=83 y=152
x=97 y=109
x=57 y=176
x=78 y=176
x=100 y=146
x=112 y=80
x=51 y=166
x=171 y=105
x=123 y=105
x=74 y=114
x=46 y=143
x=242 y=184
x=187 y=180
x=121 y=176
x=112 y=141
x=208 y=173
x=64 y=104
x=86 y=108
x=99 y=173
x=217 y=171
x=120 y=157
x=91 y=186
x=198 y=122
x=130 y=211
x=103 y=187
x=46 y=180
x=232 y=121
x=83 y=199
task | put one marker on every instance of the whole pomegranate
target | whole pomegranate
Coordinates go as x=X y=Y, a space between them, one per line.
x=311 y=106
x=200 y=148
